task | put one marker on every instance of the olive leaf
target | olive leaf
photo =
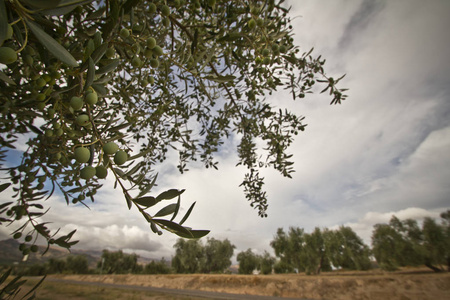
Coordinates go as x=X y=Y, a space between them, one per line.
x=53 y=46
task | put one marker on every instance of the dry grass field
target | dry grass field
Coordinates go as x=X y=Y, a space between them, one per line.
x=402 y=285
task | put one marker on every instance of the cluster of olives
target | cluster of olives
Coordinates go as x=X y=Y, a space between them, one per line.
x=83 y=155
x=7 y=54
x=23 y=246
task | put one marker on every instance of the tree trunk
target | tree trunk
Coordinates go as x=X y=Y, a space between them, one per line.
x=435 y=269
x=319 y=268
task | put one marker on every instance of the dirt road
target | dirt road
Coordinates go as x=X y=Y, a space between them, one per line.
x=190 y=293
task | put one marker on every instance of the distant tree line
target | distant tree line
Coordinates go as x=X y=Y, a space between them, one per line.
x=399 y=243
x=396 y=244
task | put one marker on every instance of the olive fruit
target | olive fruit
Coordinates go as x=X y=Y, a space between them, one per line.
x=82 y=120
x=40 y=82
x=7 y=55
x=9 y=32
x=34 y=248
x=151 y=43
x=91 y=98
x=154 y=63
x=110 y=148
x=266 y=52
x=82 y=154
x=136 y=62
x=120 y=157
x=157 y=50
x=17 y=235
x=124 y=33
x=101 y=172
x=87 y=172
x=152 y=8
x=251 y=23
x=165 y=10
x=76 y=103
x=110 y=52
x=28 y=238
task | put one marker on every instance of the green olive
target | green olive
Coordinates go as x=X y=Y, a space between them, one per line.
x=154 y=63
x=120 y=157
x=7 y=55
x=76 y=103
x=82 y=155
x=82 y=120
x=110 y=148
x=165 y=10
x=87 y=172
x=124 y=33
x=151 y=43
x=91 y=98
x=101 y=172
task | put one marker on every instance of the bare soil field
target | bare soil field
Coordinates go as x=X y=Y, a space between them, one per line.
x=401 y=285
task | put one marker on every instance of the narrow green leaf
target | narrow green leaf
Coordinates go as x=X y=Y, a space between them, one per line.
x=51 y=45
x=177 y=208
x=220 y=79
x=5 y=275
x=109 y=67
x=5 y=204
x=3 y=22
x=147 y=201
x=6 y=78
x=153 y=227
x=169 y=194
x=64 y=7
x=35 y=287
x=169 y=209
x=187 y=214
x=42 y=4
x=173 y=227
x=4 y=186
x=129 y=200
x=90 y=74
x=196 y=234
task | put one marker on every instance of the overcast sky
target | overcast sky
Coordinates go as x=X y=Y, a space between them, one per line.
x=384 y=151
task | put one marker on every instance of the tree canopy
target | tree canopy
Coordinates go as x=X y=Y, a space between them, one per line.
x=96 y=89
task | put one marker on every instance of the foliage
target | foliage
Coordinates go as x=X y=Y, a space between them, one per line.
x=266 y=263
x=194 y=257
x=118 y=262
x=106 y=88
x=188 y=256
x=248 y=262
x=404 y=243
x=346 y=249
x=11 y=289
x=319 y=250
x=160 y=267
x=217 y=255
x=77 y=264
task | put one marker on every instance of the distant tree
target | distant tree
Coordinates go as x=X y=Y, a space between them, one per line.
x=188 y=256
x=345 y=249
x=55 y=265
x=217 y=255
x=404 y=243
x=289 y=249
x=435 y=242
x=248 y=262
x=157 y=267
x=77 y=264
x=316 y=253
x=266 y=263
x=118 y=263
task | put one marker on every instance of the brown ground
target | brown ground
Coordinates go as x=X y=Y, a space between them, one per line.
x=412 y=284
